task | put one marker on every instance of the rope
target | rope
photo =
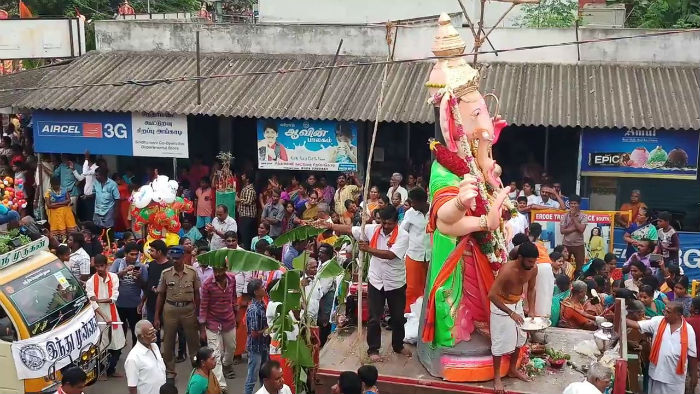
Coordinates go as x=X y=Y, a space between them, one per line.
x=186 y=78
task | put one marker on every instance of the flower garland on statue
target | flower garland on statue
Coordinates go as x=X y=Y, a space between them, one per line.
x=492 y=244
x=158 y=207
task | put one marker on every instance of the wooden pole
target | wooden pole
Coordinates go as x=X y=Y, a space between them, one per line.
x=477 y=38
x=328 y=76
x=365 y=191
x=471 y=25
x=199 y=80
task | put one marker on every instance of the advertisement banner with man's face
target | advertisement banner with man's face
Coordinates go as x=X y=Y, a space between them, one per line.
x=640 y=153
x=307 y=145
x=599 y=224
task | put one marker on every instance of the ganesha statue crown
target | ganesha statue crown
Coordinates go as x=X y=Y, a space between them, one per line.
x=454 y=335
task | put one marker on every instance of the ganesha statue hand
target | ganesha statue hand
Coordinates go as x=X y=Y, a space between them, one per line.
x=468 y=203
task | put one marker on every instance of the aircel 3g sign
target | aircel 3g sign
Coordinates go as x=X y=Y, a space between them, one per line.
x=110 y=133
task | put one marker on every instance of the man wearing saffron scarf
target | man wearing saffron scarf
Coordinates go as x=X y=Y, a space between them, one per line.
x=103 y=290
x=673 y=350
x=387 y=244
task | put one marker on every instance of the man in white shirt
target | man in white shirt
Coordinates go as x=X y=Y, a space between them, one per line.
x=667 y=371
x=219 y=226
x=86 y=202
x=144 y=366
x=418 y=253
x=548 y=199
x=387 y=245
x=79 y=260
x=519 y=223
x=272 y=381
x=395 y=187
x=597 y=380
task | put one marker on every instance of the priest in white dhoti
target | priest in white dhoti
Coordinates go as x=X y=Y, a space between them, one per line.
x=673 y=350
x=103 y=289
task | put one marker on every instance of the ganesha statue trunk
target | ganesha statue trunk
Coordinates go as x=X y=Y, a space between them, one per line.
x=466 y=220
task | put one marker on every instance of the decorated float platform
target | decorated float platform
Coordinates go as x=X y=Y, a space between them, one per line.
x=402 y=375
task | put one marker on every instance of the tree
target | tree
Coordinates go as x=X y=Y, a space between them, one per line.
x=549 y=13
x=663 y=14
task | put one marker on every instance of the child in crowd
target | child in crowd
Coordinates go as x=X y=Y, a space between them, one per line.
x=614 y=272
x=680 y=292
x=258 y=342
x=63 y=253
x=368 y=375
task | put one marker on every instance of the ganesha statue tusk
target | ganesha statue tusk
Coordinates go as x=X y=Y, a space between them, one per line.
x=468 y=205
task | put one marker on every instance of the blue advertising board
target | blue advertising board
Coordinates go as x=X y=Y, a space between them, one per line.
x=110 y=133
x=689 y=254
x=307 y=145
x=640 y=153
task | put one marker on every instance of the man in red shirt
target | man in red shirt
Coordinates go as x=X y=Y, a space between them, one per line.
x=217 y=318
x=694 y=321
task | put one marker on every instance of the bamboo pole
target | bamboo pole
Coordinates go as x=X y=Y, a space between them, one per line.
x=365 y=191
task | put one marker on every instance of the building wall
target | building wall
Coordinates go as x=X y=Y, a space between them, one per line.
x=372 y=11
x=413 y=42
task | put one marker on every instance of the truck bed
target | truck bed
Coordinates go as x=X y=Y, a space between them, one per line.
x=401 y=375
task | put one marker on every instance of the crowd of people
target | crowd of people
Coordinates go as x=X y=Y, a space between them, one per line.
x=174 y=305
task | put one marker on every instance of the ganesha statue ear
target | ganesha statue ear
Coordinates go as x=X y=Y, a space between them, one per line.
x=447 y=123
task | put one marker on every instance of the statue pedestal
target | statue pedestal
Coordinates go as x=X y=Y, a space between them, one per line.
x=469 y=361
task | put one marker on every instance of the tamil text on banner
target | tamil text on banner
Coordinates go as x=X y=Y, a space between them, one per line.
x=53 y=350
x=640 y=153
x=307 y=145
x=689 y=253
x=551 y=226
x=110 y=133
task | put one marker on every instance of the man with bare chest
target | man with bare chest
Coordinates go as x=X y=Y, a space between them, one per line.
x=507 y=310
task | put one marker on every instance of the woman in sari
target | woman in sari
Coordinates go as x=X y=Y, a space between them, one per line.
x=202 y=379
x=573 y=313
x=637 y=272
x=122 y=222
x=652 y=307
x=562 y=290
x=373 y=200
x=311 y=207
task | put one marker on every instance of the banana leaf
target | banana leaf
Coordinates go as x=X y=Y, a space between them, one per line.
x=299 y=262
x=239 y=260
x=299 y=353
x=330 y=270
x=342 y=240
x=283 y=322
x=288 y=291
x=300 y=233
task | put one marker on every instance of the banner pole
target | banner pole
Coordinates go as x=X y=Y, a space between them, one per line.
x=578 y=164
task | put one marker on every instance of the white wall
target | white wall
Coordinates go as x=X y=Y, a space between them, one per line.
x=41 y=38
x=374 y=11
x=414 y=42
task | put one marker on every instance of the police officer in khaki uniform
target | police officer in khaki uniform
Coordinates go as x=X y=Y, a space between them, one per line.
x=178 y=301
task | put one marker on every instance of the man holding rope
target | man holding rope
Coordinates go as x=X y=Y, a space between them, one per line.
x=387 y=246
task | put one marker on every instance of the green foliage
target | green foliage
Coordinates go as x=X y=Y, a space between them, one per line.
x=239 y=260
x=300 y=233
x=288 y=291
x=330 y=270
x=663 y=14
x=342 y=240
x=300 y=352
x=549 y=13
x=299 y=262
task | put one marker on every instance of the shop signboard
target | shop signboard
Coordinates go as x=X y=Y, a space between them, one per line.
x=110 y=133
x=307 y=145
x=644 y=153
x=689 y=253
x=552 y=236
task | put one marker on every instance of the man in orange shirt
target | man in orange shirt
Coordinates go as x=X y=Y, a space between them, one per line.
x=535 y=232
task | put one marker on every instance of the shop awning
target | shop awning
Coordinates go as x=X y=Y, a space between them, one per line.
x=587 y=95
x=22 y=79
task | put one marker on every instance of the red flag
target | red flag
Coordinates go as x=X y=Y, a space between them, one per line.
x=24 y=11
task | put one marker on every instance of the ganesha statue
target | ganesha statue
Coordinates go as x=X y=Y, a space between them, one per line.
x=468 y=205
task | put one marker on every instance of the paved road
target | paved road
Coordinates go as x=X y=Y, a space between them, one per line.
x=118 y=385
